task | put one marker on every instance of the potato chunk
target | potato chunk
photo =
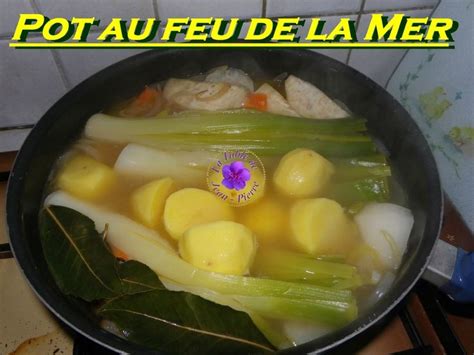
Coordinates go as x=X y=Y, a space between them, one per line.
x=266 y=218
x=223 y=246
x=148 y=201
x=319 y=226
x=302 y=173
x=190 y=207
x=86 y=178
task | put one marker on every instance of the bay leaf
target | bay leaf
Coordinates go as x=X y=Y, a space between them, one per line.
x=136 y=300
x=76 y=255
x=137 y=277
x=179 y=322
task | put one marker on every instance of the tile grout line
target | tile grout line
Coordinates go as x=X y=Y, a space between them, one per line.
x=406 y=52
x=359 y=16
x=264 y=8
x=414 y=8
x=154 y=3
x=57 y=60
x=18 y=127
x=60 y=66
x=35 y=7
x=395 y=68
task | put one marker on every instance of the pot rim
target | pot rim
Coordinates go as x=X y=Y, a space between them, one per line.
x=14 y=222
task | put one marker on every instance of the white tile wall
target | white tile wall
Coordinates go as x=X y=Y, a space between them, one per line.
x=10 y=9
x=100 y=9
x=331 y=21
x=378 y=64
x=217 y=8
x=396 y=4
x=30 y=81
x=11 y=140
x=310 y=7
x=29 y=84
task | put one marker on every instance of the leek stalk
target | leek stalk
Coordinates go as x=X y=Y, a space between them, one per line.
x=263 y=133
x=148 y=247
x=369 y=189
x=361 y=167
x=289 y=266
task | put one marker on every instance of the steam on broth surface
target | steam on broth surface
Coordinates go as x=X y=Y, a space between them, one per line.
x=268 y=205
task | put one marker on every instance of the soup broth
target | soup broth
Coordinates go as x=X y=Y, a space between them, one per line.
x=153 y=173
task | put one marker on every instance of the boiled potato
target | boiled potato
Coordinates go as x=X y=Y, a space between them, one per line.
x=190 y=207
x=223 y=246
x=266 y=218
x=86 y=178
x=302 y=173
x=320 y=226
x=148 y=201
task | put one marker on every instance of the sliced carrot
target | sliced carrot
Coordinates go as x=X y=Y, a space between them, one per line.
x=147 y=96
x=256 y=101
x=119 y=254
x=148 y=103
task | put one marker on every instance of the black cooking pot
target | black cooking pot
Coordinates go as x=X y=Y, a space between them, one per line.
x=410 y=156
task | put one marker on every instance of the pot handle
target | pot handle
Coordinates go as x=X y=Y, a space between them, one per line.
x=451 y=266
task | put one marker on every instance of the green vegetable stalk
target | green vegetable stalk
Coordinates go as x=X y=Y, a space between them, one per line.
x=147 y=247
x=263 y=133
x=364 y=190
x=361 y=167
x=289 y=266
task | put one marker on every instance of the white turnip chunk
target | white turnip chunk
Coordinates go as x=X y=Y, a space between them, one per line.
x=386 y=227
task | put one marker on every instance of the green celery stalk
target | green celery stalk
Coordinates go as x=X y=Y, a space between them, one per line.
x=335 y=258
x=276 y=307
x=233 y=123
x=345 y=284
x=368 y=161
x=289 y=266
x=369 y=189
x=263 y=145
x=279 y=123
x=339 y=284
x=361 y=167
x=361 y=172
x=328 y=312
x=263 y=133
